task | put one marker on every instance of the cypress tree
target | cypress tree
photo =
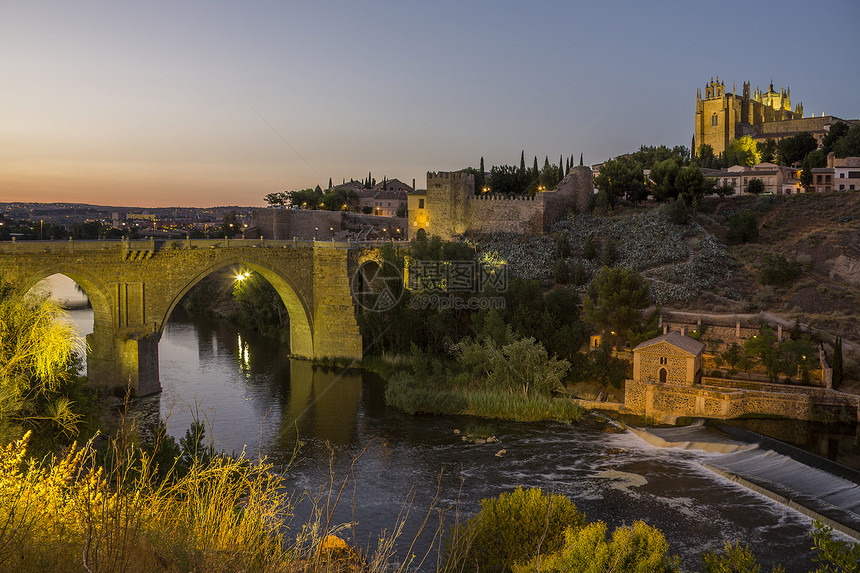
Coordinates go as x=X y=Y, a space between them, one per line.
x=560 y=168
x=329 y=183
x=837 y=362
x=535 y=168
x=482 y=167
x=523 y=161
x=567 y=166
x=580 y=159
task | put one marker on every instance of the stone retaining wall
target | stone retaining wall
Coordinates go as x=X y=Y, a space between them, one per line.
x=724 y=399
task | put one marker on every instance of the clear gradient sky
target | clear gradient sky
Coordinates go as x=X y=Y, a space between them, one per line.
x=193 y=103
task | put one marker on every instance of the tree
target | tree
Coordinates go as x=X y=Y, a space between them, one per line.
x=767 y=149
x=796 y=357
x=621 y=177
x=614 y=304
x=692 y=184
x=755 y=186
x=649 y=156
x=705 y=156
x=792 y=150
x=742 y=151
x=849 y=144
x=276 y=198
x=36 y=362
x=742 y=227
x=813 y=160
x=606 y=369
x=230 y=225
x=549 y=176
x=763 y=347
x=837 y=362
x=837 y=132
x=663 y=175
x=589 y=248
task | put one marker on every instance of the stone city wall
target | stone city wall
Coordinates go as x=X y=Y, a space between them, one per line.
x=452 y=208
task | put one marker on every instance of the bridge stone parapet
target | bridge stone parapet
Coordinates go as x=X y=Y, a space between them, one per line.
x=135 y=285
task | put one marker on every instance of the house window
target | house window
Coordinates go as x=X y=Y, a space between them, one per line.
x=818 y=178
x=842 y=175
x=842 y=186
x=664 y=360
x=851 y=187
x=420 y=203
x=827 y=178
x=770 y=180
x=715 y=120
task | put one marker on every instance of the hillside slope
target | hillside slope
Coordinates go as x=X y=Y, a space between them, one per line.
x=690 y=267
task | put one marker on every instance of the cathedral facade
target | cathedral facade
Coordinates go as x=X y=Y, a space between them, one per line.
x=722 y=116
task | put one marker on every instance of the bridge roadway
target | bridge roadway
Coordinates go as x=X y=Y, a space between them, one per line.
x=135 y=285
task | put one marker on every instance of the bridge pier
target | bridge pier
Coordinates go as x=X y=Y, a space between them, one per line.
x=124 y=361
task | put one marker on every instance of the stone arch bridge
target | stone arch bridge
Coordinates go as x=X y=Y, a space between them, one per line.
x=134 y=286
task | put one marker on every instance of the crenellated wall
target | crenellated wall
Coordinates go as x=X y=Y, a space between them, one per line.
x=451 y=207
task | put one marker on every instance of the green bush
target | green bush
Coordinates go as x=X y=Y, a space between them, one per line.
x=562 y=271
x=779 y=271
x=676 y=211
x=734 y=558
x=635 y=549
x=512 y=528
x=743 y=227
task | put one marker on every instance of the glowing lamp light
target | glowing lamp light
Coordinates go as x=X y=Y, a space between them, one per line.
x=242 y=276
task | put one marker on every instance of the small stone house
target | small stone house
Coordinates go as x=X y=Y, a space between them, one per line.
x=669 y=358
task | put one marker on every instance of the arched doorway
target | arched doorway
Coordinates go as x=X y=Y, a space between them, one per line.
x=663 y=375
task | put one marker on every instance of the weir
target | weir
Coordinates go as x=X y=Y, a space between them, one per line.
x=832 y=499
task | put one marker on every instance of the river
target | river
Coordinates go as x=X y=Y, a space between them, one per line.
x=337 y=423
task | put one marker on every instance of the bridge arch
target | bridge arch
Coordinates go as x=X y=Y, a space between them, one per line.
x=301 y=321
x=95 y=289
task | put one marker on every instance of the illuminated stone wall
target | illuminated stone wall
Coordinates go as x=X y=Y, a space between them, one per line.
x=451 y=207
x=680 y=366
x=724 y=399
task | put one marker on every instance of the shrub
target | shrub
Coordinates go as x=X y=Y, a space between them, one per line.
x=743 y=227
x=733 y=559
x=635 y=549
x=779 y=271
x=589 y=249
x=676 y=211
x=513 y=527
x=562 y=271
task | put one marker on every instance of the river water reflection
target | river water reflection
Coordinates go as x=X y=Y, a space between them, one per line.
x=258 y=399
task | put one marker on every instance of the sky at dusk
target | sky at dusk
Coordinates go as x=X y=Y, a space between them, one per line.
x=192 y=103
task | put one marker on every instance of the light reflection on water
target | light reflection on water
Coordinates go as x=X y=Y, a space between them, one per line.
x=256 y=398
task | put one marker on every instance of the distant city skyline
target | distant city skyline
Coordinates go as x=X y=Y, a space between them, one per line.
x=202 y=104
